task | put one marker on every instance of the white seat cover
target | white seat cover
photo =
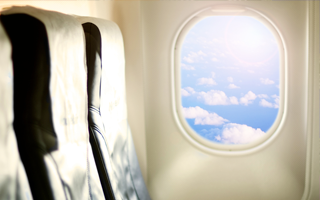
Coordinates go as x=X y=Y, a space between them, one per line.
x=13 y=180
x=70 y=171
x=115 y=139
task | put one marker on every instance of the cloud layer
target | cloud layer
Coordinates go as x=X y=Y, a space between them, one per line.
x=203 y=117
x=233 y=86
x=187 y=91
x=206 y=81
x=265 y=103
x=217 y=97
x=266 y=81
x=234 y=77
x=233 y=133
x=194 y=57
x=248 y=98
x=186 y=67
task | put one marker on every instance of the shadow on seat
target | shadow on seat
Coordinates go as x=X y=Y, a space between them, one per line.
x=13 y=179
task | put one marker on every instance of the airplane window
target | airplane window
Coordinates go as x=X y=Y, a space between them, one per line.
x=230 y=79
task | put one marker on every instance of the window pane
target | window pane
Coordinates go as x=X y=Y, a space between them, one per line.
x=230 y=79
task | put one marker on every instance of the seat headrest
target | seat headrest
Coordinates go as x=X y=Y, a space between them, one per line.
x=113 y=107
x=120 y=163
x=67 y=72
x=56 y=78
x=93 y=51
x=6 y=88
x=12 y=172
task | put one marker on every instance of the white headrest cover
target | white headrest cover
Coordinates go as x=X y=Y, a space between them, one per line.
x=113 y=105
x=67 y=88
x=67 y=72
x=13 y=180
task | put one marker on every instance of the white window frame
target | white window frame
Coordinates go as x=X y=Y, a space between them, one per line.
x=190 y=135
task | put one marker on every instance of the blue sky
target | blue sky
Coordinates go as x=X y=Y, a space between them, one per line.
x=230 y=79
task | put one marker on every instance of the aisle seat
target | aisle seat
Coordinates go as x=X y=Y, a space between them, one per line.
x=110 y=134
x=13 y=179
x=50 y=104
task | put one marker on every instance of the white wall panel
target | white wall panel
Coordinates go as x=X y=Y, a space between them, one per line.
x=173 y=167
x=177 y=169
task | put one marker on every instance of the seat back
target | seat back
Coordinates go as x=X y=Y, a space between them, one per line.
x=93 y=52
x=50 y=103
x=13 y=179
x=115 y=154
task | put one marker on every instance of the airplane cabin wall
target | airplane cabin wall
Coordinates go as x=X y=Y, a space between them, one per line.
x=179 y=170
x=171 y=166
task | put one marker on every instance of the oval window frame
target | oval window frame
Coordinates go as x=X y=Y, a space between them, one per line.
x=194 y=138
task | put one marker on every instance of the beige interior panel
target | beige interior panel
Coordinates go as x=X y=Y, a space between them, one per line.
x=173 y=168
x=177 y=169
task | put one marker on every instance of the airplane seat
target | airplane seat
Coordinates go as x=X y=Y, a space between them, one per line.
x=50 y=103
x=13 y=179
x=93 y=87
x=110 y=134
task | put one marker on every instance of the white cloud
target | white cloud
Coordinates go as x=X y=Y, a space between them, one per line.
x=276 y=101
x=214 y=59
x=234 y=100
x=233 y=133
x=248 y=98
x=251 y=71
x=217 y=97
x=233 y=86
x=187 y=91
x=188 y=59
x=263 y=96
x=206 y=81
x=194 y=112
x=184 y=93
x=200 y=53
x=194 y=57
x=265 y=103
x=186 y=67
x=203 y=117
x=211 y=119
x=266 y=81
x=213 y=74
x=218 y=137
x=230 y=79
x=190 y=90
